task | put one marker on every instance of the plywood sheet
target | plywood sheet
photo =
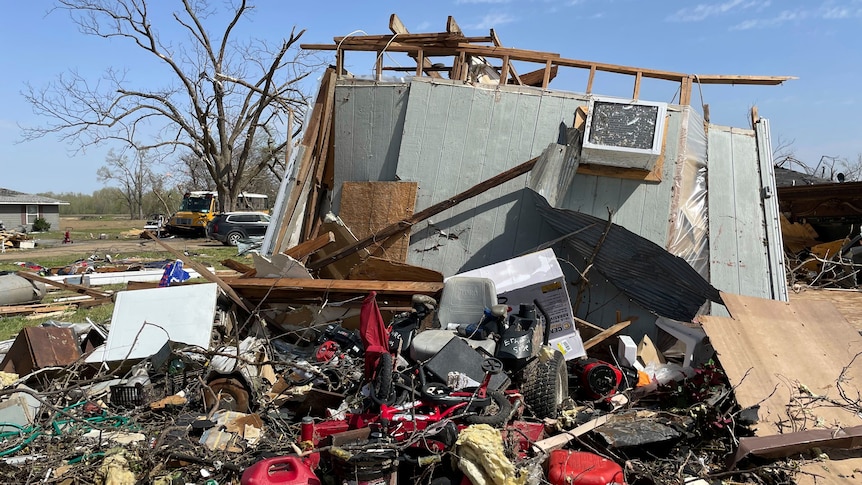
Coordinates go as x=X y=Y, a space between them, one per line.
x=774 y=351
x=848 y=302
x=367 y=207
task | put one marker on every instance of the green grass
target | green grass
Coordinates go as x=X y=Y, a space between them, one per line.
x=11 y=326
x=208 y=256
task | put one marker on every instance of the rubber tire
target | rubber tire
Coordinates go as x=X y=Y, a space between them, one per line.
x=545 y=386
x=381 y=384
x=504 y=409
x=233 y=238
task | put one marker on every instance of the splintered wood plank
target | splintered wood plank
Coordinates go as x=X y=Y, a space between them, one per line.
x=307 y=248
x=770 y=349
x=367 y=207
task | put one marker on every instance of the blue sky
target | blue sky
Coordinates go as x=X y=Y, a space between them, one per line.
x=816 y=40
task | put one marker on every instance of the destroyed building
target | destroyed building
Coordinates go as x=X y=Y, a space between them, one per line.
x=459 y=198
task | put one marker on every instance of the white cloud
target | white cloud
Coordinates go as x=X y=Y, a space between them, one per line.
x=840 y=13
x=493 y=20
x=825 y=12
x=704 y=10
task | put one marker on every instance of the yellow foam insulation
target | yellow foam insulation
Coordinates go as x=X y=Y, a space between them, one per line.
x=115 y=470
x=7 y=379
x=483 y=459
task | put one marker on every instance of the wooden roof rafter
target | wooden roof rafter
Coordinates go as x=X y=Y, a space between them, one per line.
x=460 y=48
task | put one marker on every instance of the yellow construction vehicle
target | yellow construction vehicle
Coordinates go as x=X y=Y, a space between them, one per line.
x=199 y=206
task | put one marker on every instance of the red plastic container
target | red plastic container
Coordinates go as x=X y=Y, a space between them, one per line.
x=581 y=468
x=280 y=470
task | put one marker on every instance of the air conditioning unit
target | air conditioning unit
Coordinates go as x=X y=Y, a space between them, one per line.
x=623 y=133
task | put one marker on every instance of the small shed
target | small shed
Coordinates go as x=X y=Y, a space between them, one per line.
x=20 y=210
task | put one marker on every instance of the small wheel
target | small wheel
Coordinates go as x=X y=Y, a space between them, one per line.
x=546 y=385
x=233 y=238
x=492 y=365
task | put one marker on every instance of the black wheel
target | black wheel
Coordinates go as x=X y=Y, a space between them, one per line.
x=499 y=418
x=233 y=238
x=492 y=365
x=381 y=385
x=545 y=386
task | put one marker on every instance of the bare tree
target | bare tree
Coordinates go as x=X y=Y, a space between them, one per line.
x=133 y=175
x=221 y=95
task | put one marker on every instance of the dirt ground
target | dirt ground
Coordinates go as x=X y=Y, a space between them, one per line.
x=86 y=241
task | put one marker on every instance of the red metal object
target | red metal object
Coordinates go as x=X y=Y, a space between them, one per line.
x=326 y=351
x=598 y=379
x=582 y=468
x=280 y=470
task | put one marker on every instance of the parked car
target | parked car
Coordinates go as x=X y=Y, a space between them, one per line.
x=230 y=227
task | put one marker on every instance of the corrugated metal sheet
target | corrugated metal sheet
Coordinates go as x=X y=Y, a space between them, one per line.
x=659 y=281
x=739 y=262
x=369 y=120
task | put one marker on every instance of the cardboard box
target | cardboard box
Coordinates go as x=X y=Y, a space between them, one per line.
x=538 y=276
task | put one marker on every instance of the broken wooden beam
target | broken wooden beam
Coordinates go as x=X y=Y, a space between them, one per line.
x=343 y=286
x=395 y=228
x=344 y=293
x=606 y=334
x=558 y=441
x=65 y=286
x=307 y=248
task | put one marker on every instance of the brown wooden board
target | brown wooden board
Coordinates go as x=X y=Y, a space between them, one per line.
x=848 y=302
x=367 y=207
x=782 y=346
x=343 y=238
x=382 y=269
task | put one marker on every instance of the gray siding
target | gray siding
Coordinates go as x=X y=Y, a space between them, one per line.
x=739 y=262
x=369 y=119
x=448 y=136
x=13 y=215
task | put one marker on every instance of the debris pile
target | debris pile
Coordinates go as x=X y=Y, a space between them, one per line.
x=15 y=239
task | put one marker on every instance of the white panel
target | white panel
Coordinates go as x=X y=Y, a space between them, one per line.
x=144 y=320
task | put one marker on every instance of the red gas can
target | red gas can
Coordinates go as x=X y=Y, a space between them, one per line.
x=280 y=470
x=581 y=468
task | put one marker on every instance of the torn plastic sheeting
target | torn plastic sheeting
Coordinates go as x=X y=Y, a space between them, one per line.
x=482 y=457
x=781 y=445
x=689 y=229
x=654 y=278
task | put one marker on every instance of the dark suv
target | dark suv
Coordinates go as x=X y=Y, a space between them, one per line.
x=230 y=227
